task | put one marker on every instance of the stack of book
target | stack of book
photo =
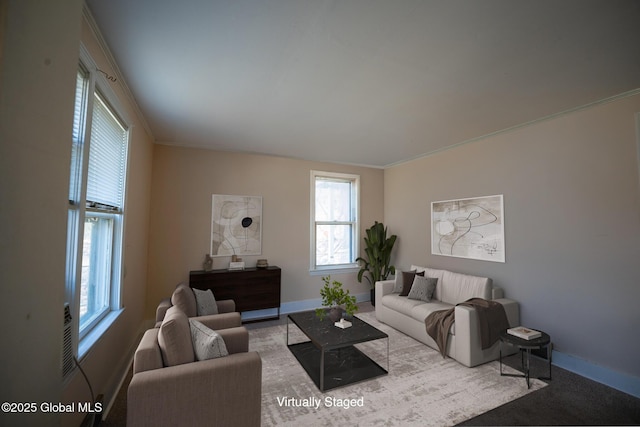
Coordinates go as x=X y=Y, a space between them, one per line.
x=524 y=333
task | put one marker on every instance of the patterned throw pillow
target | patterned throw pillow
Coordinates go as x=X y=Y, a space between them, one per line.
x=423 y=288
x=207 y=343
x=205 y=302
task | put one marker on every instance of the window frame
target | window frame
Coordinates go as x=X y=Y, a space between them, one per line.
x=314 y=268
x=94 y=84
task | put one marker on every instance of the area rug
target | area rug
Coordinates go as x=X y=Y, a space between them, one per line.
x=421 y=389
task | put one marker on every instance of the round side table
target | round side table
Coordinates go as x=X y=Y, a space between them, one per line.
x=525 y=346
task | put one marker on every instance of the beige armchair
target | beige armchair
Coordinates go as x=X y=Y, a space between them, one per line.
x=185 y=300
x=225 y=391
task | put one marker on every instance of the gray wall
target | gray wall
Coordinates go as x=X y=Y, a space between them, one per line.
x=572 y=225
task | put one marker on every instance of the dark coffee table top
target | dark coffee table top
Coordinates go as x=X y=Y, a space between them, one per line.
x=323 y=334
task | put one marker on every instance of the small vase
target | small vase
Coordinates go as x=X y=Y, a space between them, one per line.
x=335 y=314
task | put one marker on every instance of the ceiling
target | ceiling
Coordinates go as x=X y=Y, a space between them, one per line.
x=369 y=82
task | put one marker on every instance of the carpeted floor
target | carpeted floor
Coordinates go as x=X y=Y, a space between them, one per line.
x=569 y=399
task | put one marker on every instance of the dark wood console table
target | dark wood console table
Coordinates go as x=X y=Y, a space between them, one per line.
x=251 y=288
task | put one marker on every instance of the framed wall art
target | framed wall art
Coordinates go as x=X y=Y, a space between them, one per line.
x=469 y=228
x=236 y=225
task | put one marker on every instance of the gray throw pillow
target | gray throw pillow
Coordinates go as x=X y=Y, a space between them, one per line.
x=205 y=302
x=207 y=343
x=423 y=288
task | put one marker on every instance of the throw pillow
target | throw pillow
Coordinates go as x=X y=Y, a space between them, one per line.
x=174 y=338
x=423 y=288
x=184 y=299
x=205 y=302
x=207 y=343
x=407 y=281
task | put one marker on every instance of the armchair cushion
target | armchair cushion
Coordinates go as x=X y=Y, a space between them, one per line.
x=174 y=338
x=207 y=343
x=185 y=300
x=205 y=302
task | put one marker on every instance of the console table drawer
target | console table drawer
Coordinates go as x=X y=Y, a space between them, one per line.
x=251 y=289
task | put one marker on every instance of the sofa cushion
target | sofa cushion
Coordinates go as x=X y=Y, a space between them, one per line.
x=185 y=300
x=421 y=311
x=407 y=281
x=174 y=338
x=457 y=288
x=205 y=302
x=400 y=304
x=207 y=343
x=423 y=288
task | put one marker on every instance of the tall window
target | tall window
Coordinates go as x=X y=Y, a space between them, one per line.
x=96 y=203
x=334 y=220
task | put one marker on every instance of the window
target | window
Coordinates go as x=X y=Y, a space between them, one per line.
x=96 y=205
x=334 y=220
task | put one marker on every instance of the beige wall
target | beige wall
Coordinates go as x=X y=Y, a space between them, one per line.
x=40 y=57
x=109 y=359
x=184 y=180
x=572 y=224
x=40 y=60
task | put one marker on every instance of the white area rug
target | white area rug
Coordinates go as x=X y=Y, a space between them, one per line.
x=421 y=389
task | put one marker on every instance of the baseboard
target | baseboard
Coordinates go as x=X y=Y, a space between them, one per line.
x=614 y=379
x=127 y=360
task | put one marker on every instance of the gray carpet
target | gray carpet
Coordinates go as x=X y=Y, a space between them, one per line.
x=569 y=399
x=422 y=388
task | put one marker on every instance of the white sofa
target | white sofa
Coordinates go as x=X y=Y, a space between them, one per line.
x=408 y=315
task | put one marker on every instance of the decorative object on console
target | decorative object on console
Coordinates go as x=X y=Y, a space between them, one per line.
x=378 y=250
x=262 y=263
x=469 y=228
x=236 y=225
x=335 y=297
x=207 y=265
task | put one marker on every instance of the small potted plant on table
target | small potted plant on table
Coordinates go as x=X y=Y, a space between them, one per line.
x=337 y=299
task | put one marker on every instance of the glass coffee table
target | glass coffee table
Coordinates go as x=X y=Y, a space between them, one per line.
x=330 y=357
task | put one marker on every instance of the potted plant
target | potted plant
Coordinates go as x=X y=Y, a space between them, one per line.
x=337 y=299
x=378 y=256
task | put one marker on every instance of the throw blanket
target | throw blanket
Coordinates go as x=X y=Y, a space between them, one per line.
x=491 y=317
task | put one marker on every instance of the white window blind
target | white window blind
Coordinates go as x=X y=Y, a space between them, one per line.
x=78 y=137
x=107 y=158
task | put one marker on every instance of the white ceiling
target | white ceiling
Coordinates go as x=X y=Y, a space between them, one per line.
x=363 y=81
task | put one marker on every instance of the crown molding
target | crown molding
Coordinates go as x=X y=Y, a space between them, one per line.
x=88 y=17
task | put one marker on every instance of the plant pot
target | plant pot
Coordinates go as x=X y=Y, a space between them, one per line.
x=373 y=297
x=335 y=314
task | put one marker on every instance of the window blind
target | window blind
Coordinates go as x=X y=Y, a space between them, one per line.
x=107 y=158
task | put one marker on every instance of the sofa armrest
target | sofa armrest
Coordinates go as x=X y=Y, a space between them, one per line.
x=226 y=306
x=164 y=305
x=220 y=321
x=386 y=286
x=225 y=391
x=235 y=339
x=147 y=356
